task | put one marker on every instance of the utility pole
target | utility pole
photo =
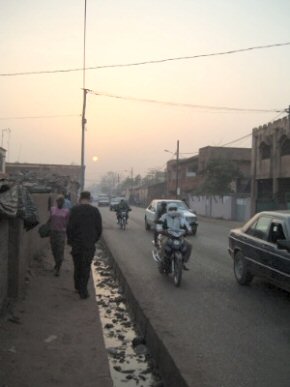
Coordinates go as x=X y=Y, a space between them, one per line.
x=177 y=170
x=84 y=120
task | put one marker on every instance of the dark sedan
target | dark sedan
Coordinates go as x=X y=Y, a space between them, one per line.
x=262 y=248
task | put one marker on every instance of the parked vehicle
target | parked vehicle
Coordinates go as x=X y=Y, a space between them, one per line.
x=115 y=201
x=103 y=200
x=175 y=249
x=151 y=213
x=262 y=248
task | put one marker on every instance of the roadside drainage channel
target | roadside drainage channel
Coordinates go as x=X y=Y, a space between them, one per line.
x=157 y=352
x=129 y=358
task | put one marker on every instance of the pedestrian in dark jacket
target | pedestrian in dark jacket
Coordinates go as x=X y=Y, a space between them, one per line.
x=83 y=231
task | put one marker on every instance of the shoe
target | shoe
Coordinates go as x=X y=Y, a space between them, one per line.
x=84 y=295
x=185 y=268
x=56 y=270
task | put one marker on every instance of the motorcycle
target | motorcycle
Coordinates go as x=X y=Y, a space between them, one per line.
x=174 y=251
x=123 y=220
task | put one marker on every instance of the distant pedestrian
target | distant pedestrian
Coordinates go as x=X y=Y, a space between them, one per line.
x=83 y=231
x=67 y=202
x=58 y=223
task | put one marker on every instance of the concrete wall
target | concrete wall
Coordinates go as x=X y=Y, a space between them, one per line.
x=18 y=247
x=226 y=207
x=3 y=262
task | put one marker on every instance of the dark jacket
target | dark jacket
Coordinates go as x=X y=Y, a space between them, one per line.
x=84 y=225
x=122 y=206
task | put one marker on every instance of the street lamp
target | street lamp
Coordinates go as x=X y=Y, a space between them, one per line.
x=177 y=190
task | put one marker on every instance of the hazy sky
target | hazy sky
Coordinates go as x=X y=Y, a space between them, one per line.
x=38 y=35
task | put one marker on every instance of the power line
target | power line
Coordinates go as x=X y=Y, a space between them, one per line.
x=37 y=117
x=186 y=105
x=237 y=140
x=230 y=52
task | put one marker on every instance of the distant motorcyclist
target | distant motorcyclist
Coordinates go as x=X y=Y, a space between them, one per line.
x=123 y=206
x=174 y=220
x=160 y=211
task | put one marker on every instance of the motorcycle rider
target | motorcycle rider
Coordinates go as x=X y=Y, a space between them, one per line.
x=122 y=206
x=160 y=211
x=175 y=221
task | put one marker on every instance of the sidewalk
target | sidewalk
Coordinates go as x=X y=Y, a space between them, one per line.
x=53 y=338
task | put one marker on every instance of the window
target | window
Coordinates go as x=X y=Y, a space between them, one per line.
x=285 y=147
x=276 y=232
x=191 y=170
x=260 y=228
x=265 y=151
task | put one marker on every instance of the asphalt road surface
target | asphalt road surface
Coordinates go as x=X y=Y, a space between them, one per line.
x=219 y=333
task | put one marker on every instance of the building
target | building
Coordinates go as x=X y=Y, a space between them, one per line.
x=57 y=178
x=189 y=175
x=271 y=166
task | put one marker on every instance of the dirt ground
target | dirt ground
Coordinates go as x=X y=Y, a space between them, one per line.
x=51 y=337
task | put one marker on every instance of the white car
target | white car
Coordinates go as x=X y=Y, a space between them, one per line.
x=151 y=213
x=103 y=200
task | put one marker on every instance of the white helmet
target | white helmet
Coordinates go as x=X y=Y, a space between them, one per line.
x=172 y=210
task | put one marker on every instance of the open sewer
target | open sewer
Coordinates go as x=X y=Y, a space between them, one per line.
x=130 y=361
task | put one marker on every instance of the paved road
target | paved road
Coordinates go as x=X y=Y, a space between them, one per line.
x=219 y=333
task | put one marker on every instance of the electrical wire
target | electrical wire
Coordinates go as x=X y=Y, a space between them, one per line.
x=37 y=117
x=237 y=140
x=186 y=105
x=147 y=62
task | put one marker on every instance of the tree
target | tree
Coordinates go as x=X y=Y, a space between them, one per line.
x=219 y=174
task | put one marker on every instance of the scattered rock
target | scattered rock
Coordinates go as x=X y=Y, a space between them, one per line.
x=50 y=338
x=109 y=326
x=138 y=340
x=112 y=351
x=141 y=349
x=119 y=299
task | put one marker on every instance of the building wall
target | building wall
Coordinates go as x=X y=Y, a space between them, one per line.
x=24 y=246
x=269 y=165
x=284 y=166
x=2 y=160
x=227 y=207
x=190 y=176
x=73 y=171
x=17 y=250
x=3 y=262
x=239 y=156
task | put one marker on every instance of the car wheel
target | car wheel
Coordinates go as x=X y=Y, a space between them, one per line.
x=242 y=274
x=147 y=226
